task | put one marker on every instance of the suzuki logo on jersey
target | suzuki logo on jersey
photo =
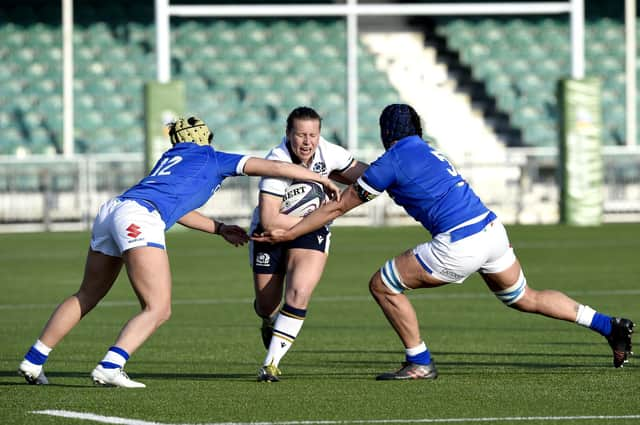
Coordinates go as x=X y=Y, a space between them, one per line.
x=133 y=231
x=320 y=168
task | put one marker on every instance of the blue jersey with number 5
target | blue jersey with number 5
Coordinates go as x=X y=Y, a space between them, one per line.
x=184 y=178
x=425 y=184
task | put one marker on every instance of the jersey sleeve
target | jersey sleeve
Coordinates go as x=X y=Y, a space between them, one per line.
x=338 y=158
x=376 y=179
x=231 y=164
x=274 y=185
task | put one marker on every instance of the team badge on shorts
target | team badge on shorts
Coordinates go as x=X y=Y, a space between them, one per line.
x=263 y=259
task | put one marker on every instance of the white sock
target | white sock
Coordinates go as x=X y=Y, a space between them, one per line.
x=41 y=347
x=115 y=358
x=285 y=331
x=416 y=350
x=585 y=315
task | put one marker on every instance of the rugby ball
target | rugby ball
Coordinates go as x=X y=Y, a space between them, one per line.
x=302 y=198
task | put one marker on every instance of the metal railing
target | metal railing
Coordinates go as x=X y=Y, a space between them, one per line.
x=65 y=193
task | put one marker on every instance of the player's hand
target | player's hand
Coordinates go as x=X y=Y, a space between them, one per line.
x=233 y=234
x=271 y=236
x=331 y=189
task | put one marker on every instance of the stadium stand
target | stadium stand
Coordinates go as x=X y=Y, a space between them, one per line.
x=253 y=71
x=241 y=74
x=519 y=62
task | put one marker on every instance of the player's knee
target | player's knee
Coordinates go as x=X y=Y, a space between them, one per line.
x=265 y=307
x=299 y=297
x=376 y=287
x=87 y=301
x=165 y=314
x=160 y=312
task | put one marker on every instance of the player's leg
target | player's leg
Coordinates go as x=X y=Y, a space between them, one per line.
x=102 y=266
x=99 y=274
x=268 y=264
x=150 y=276
x=504 y=276
x=510 y=286
x=138 y=231
x=387 y=286
x=304 y=270
x=268 y=296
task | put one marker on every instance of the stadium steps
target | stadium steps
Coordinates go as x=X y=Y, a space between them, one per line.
x=450 y=116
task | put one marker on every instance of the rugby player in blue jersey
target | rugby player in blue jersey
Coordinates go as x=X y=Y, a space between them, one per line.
x=466 y=237
x=130 y=229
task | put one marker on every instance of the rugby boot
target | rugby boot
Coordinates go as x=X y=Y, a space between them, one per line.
x=32 y=373
x=620 y=340
x=114 y=378
x=411 y=371
x=268 y=373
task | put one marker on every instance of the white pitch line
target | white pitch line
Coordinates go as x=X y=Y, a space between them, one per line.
x=125 y=421
x=333 y=299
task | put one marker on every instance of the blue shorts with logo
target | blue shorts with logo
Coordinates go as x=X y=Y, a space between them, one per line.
x=269 y=258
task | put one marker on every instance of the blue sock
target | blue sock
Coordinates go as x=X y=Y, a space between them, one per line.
x=35 y=356
x=601 y=323
x=38 y=353
x=418 y=355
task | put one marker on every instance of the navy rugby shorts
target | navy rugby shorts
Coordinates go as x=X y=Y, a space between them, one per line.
x=269 y=258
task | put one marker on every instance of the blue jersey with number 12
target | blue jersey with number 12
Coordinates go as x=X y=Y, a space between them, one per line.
x=422 y=180
x=184 y=178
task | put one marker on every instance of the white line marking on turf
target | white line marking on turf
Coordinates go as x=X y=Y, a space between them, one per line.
x=347 y=298
x=125 y=421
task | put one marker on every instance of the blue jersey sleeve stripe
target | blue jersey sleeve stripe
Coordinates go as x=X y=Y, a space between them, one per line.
x=368 y=187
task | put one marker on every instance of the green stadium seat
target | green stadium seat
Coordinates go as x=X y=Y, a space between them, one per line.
x=264 y=64
x=11 y=139
x=228 y=139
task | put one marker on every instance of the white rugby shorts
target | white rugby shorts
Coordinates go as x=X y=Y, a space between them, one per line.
x=124 y=224
x=487 y=251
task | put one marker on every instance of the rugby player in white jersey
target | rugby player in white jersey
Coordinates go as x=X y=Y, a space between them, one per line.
x=294 y=267
x=467 y=238
x=130 y=229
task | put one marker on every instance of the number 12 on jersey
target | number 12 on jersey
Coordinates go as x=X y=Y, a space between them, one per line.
x=163 y=169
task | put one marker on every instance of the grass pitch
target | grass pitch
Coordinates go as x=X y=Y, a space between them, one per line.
x=496 y=365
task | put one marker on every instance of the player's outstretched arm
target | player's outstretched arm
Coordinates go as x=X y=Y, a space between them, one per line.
x=323 y=215
x=351 y=174
x=272 y=168
x=233 y=234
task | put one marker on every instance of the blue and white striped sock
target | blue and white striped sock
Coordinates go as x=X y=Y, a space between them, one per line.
x=418 y=355
x=38 y=353
x=115 y=358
